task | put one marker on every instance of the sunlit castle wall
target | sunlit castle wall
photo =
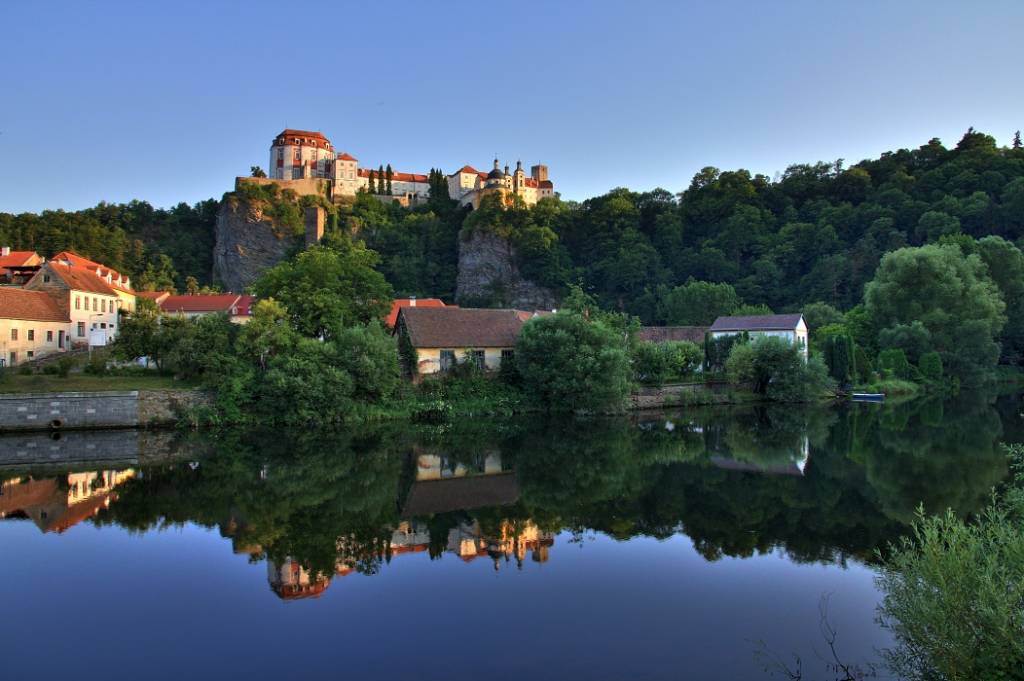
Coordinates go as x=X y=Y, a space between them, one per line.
x=301 y=154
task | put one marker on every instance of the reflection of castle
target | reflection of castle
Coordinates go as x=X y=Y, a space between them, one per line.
x=54 y=508
x=291 y=581
x=440 y=486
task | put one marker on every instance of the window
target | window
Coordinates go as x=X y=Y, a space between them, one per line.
x=477 y=357
x=14 y=358
x=103 y=305
x=103 y=325
x=31 y=334
x=78 y=303
x=81 y=329
x=507 y=355
x=46 y=278
x=31 y=354
x=95 y=305
x=14 y=334
x=447 y=359
x=49 y=336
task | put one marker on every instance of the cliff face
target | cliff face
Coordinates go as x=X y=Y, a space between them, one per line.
x=246 y=244
x=488 y=276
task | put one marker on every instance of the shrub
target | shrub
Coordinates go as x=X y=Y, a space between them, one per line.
x=25 y=370
x=894 y=361
x=931 y=366
x=777 y=370
x=64 y=365
x=861 y=364
x=650 y=363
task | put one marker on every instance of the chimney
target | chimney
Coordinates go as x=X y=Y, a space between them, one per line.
x=6 y=250
x=412 y=301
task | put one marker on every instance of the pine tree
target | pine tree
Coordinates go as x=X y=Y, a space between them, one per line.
x=1016 y=140
x=389 y=174
x=372 y=189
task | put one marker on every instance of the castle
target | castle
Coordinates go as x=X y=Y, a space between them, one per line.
x=298 y=157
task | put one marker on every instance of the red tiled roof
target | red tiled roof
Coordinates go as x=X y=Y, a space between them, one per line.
x=244 y=305
x=468 y=169
x=93 y=267
x=399 y=303
x=18 y=259
x=200 y=303
x=546 y=184
x=661 y=334
x=77 y=278
x=155 y=296
x=454 y=327
x=345 y=156
x=306 y=138
x=18 y=303
x=527 y=315
x=395 y=176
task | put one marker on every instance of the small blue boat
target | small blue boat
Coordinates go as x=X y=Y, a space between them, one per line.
x=868 y=397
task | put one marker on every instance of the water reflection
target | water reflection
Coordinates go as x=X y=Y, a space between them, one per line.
x=822 y=485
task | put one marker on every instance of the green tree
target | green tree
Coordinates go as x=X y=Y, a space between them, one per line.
x=329 y=287
x=191 y=285
x=1005 y=263
x=372 y=186
x=777 y=370
x=159 y=275
x=697 y=303
x=952 y=297
x=388 y=174
x=931 y=366
x=568 y=363
x=256 y=171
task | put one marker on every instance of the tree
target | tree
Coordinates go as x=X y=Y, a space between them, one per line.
x=191 y=285
x=159 y=275
x=837 y=350
x=256 y=171
x=568 y=363
x=697 y=303
x=381 y=181
x=1006 y=268
x=388 y=175
x=950 y=295
x=1016 y=140
x=372 y=186
x=328 y=287
x=777 y=370
x=931 y=366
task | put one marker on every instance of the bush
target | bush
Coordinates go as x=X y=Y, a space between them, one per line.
x=777 y=370
x=931 y=366
x=655 y=363
x=25 y=370
x=894 y=361
x=861 y=364
x=570 y=363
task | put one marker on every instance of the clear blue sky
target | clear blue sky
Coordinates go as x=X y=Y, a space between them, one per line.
x=167 y=102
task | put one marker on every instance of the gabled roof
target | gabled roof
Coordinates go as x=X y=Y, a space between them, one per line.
x=770 y=322
x=470 y=170
x=76 y=278
x=345 y=156
x=223 y=302
x=37 y=306
x=399 y=303
x=18 y=259
x=460 y=327
x=662 y=334
x=244 y=305
x=96 y=269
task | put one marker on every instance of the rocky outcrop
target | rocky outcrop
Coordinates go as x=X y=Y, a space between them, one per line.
x=247 y=243
x=488 y=276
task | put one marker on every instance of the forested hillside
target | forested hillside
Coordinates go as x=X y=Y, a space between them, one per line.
x=816 y=233
x=156 y=246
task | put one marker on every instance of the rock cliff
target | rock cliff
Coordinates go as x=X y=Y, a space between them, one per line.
x=247 y=243
x=488 y=276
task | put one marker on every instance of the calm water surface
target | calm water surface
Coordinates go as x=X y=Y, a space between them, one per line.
x=689 y=545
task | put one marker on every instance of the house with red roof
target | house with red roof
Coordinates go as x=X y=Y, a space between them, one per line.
x=32 y=325
x=120 y=283
x=237 y=306
x=17 y=264
x=90 y=302
x=399 y=303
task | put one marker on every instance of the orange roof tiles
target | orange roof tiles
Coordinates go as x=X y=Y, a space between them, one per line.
x=399 y=303
x=345 y=156
x=17 y=303
x=18 y=259
x=201 y=303
x=96 y=269
x=79 y=278
x=395 y=176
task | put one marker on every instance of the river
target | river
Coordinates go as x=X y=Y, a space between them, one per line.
x=705 y=544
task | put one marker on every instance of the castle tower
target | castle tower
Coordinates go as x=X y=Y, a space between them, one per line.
x=519 y=180
x=539 y=172
x=298 y=154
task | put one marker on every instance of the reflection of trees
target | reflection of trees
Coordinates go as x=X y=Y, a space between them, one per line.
x=724 y=476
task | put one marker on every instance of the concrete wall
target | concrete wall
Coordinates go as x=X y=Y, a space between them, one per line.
x=71 y=410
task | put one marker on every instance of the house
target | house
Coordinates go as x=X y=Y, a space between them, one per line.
x=119 y=283
x=32 y=325
x=237 y=306
x=399 y=303
x=90 y=303
x=433 y=339
x=790 y=327
x=665 y=334
x=156 y=296
x=17 y=266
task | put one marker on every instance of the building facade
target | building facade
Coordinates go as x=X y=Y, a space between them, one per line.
x=306 y=154
x=32 y=325
x=92 y=306
x=790 y=327
x=435 y=339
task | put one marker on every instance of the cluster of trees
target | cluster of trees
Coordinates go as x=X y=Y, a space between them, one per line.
x=314 y=350
x=157 y=247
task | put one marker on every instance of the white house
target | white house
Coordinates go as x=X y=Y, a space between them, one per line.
x=791 y=327
x=92 y=305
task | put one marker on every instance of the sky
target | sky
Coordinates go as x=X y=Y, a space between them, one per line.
x=168 y=102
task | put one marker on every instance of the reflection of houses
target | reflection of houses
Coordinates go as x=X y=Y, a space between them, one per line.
x=440 y=486
x=54 y=507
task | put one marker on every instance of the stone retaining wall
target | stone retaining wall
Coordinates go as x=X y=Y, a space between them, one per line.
x=88 y=410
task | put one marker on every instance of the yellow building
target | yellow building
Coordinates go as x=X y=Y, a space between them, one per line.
x=434 y=339
x=32 y=324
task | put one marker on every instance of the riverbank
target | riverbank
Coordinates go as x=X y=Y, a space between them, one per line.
x=95 y=410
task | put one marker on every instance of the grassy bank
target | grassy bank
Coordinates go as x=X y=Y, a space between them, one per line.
x=42 y=383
